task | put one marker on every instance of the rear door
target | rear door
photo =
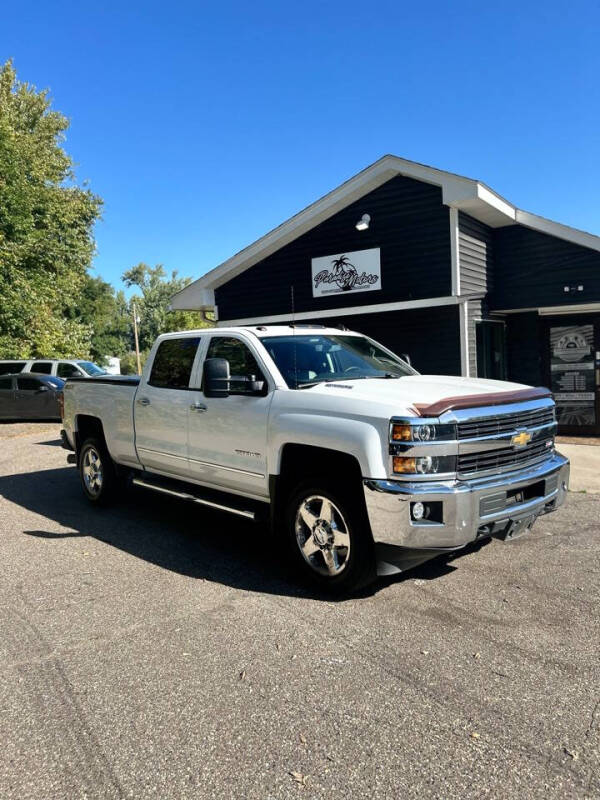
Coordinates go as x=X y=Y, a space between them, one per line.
x=162 y=404
x=7 y=398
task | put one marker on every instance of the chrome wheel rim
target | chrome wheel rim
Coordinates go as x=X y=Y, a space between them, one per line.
x=91 y=470
x=322 y=535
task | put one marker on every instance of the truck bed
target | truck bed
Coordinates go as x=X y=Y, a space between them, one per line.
x=109 y=398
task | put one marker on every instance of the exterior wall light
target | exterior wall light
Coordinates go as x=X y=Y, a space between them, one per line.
x=363 y=223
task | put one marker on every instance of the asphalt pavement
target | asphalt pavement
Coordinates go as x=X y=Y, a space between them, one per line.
x=155 y=650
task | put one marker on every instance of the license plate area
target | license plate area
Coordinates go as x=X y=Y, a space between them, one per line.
x=504 y=501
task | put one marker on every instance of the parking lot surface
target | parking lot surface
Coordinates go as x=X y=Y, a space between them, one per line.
x=156 y=650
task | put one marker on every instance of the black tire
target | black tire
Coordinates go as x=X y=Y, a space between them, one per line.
x=343 y=569
x=103 y=488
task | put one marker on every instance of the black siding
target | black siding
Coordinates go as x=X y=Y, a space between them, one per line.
x=533 y=268
x=408 y=222
x=524 y=349
x=476 y=255
x=430 y=336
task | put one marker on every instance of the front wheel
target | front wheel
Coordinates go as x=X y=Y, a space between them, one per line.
x=329 y=537
x=97 y=472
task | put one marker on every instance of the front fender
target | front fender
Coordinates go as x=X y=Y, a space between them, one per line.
x=357 y=438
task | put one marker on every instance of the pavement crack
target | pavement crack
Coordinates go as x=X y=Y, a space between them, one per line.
x=592 y=725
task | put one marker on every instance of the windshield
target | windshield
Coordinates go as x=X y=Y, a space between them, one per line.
x=305 y=360
x=91 y=369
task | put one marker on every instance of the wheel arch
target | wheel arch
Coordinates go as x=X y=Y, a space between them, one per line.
x=87 y=425
x=299 y=461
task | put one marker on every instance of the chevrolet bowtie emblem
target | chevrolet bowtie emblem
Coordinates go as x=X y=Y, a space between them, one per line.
x=520 y=439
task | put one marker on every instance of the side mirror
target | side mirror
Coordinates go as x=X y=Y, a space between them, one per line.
x=255 y=386
x=406 y=357
x=215 y=377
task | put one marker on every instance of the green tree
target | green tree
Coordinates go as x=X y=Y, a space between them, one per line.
x=46 y=223
x=152 y=304
x=106 y=313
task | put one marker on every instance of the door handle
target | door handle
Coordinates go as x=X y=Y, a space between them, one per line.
x=143 y=401
x=197 y=407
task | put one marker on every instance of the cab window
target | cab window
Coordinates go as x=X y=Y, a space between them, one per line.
x=28 y=384
x=11 y=366
x=44 y=367
x=242 y=363
x=65 y=370
x=173 y=362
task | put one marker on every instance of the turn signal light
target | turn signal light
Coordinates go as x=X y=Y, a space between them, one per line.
x=423 y=465
x=408 y=465
x=401 y=433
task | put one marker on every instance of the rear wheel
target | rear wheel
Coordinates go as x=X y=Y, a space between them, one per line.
x=329 y=538
x=97 y=472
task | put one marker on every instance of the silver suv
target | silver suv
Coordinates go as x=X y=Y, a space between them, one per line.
x=63 y=367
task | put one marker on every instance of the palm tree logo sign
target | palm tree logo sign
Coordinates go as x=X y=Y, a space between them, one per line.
x=344 y=274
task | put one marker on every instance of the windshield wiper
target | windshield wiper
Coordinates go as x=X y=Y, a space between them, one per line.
x=308 y=384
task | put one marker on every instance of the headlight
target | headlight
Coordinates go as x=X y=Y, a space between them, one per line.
x=426 y=432
x=423 y=465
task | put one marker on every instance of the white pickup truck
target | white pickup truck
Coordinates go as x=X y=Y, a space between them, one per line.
x=351 y=459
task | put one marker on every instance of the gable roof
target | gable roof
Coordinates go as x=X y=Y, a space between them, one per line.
x=465 y=194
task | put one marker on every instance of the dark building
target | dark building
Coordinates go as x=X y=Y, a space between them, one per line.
x=436 y=266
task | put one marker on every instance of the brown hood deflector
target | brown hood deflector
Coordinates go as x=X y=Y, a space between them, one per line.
x=480 y=400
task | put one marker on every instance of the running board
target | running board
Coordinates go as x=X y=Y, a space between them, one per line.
x=240 y=512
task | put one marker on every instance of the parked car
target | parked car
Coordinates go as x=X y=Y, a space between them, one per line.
x=30 y=396
x=331 y=442
x=61 y=367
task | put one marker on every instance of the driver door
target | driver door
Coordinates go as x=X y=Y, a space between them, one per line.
x=31 y=400
x=228 y=435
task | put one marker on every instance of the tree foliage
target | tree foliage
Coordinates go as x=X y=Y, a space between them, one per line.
x=152 y=303
x=46 y=224
x=107 y=315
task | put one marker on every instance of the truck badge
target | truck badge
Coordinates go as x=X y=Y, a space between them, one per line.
x=521 y=439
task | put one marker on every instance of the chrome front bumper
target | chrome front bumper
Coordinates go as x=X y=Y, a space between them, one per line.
x=470 y=509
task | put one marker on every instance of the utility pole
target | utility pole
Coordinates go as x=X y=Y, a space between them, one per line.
x=137 y=344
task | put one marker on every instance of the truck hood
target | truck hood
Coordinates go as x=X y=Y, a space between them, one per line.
x=404 y=393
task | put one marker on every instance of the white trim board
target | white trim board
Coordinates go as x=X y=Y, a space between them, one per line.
x=405 y=305
x=464 y=338
x=581 y=308
x=454 y=251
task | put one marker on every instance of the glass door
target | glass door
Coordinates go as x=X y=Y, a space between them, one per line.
x=574 y=345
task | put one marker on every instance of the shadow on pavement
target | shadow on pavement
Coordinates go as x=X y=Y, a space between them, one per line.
x=175 y=535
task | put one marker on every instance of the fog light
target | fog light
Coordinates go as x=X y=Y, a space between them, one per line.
x=418 y=511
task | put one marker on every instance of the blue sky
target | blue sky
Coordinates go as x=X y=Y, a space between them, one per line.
x=204 y=125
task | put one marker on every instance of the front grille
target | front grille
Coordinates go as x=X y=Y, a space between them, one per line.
x=505 y=423
x=504 y=458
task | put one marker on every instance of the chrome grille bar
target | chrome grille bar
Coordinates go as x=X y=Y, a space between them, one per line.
x=470 y=464
x=505 y=423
